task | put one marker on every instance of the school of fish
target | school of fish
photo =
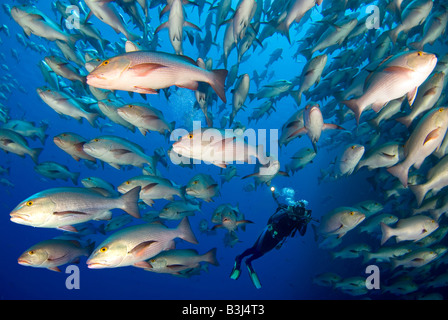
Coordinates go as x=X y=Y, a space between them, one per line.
x=371 y=83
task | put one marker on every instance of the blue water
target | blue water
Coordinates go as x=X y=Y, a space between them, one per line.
x=285 y=274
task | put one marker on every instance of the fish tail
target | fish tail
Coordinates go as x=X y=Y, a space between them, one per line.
x=406 y=120
x=297 y=96
x=354 y=105
x=419 y=191
x=185 y=232
x=393 y=34
x=91 y=117
x=283 y=28
x=90 y=248
x=210 y=257
x=218 y=82
x=74 y=177
x=386 y=231
x=401 y=172
x=416 y=45
x=130 y=202
x=34 y=154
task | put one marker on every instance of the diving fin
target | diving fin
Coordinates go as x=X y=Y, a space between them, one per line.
x=236 y=271
x=254 y=277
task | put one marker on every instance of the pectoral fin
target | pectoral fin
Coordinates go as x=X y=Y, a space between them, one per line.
x=434 y=134
x=141 y=248
x=144 y=69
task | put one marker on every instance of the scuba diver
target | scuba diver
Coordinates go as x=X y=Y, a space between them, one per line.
x=286 y=220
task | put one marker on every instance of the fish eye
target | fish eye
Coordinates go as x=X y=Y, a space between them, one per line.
x=130 y=106
x=29 y=203
x=31 y=252
x=96 y=140
x=190 y=136
x=103 y=249
x=127 y=182
x=419 y=53
x=441 y=109
x=353 y=147
x=195 y=182
x=105 y=63
x=152 y=260
x=352 y=213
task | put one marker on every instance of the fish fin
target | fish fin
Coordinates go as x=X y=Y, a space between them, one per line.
x=419 y=191
x=68 y=228
x=140 y=249
x=35 y=154
x=298 y=132
x=185 y=232
x=251 y=175
x=142 y=264
x=54 y=269
x=401 y=172
x=434 y=134
x=149 y=186
x=218 y=83
x=116 y=166
x=162 y=26
x=130 y=202
x=430 y=92
x=328 y=126
x=386 y=232
x=411 y=95
x=283 y=28
x=120 y=152
x=395 y=69
x=378 y=106
x=191 y=25
x=63 y=213
x=144 y=69
x=406 y=120
x=145 y=90
x=355 y=107
x=210 y=257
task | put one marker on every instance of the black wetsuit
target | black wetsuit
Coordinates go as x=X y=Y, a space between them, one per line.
x=282 y=224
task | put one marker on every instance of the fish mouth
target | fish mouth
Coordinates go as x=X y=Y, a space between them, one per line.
x=19 y=217
x=96 y=265
x=23 y=262
x=95 y=76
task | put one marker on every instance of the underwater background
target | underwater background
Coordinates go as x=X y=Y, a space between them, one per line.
x=286 y=274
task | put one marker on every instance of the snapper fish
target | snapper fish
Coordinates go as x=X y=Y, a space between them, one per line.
x=413 y=228
x=214 y=146
x=314 y=124
x=424 y=140
x=117 y=151
x=145 y=118
x=72 y=143
x=176 y=210
x=202 y=186
x=62 y=208
x=54 y=170
x=395 y=77
x=177 y=260
x=11 y=141
x=339 y=221
x=136 y=244
x=34 y=21
x=53 y=253
x=148 y=71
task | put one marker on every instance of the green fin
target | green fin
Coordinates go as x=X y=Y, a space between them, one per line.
x=236 y=272
x=254 y=277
